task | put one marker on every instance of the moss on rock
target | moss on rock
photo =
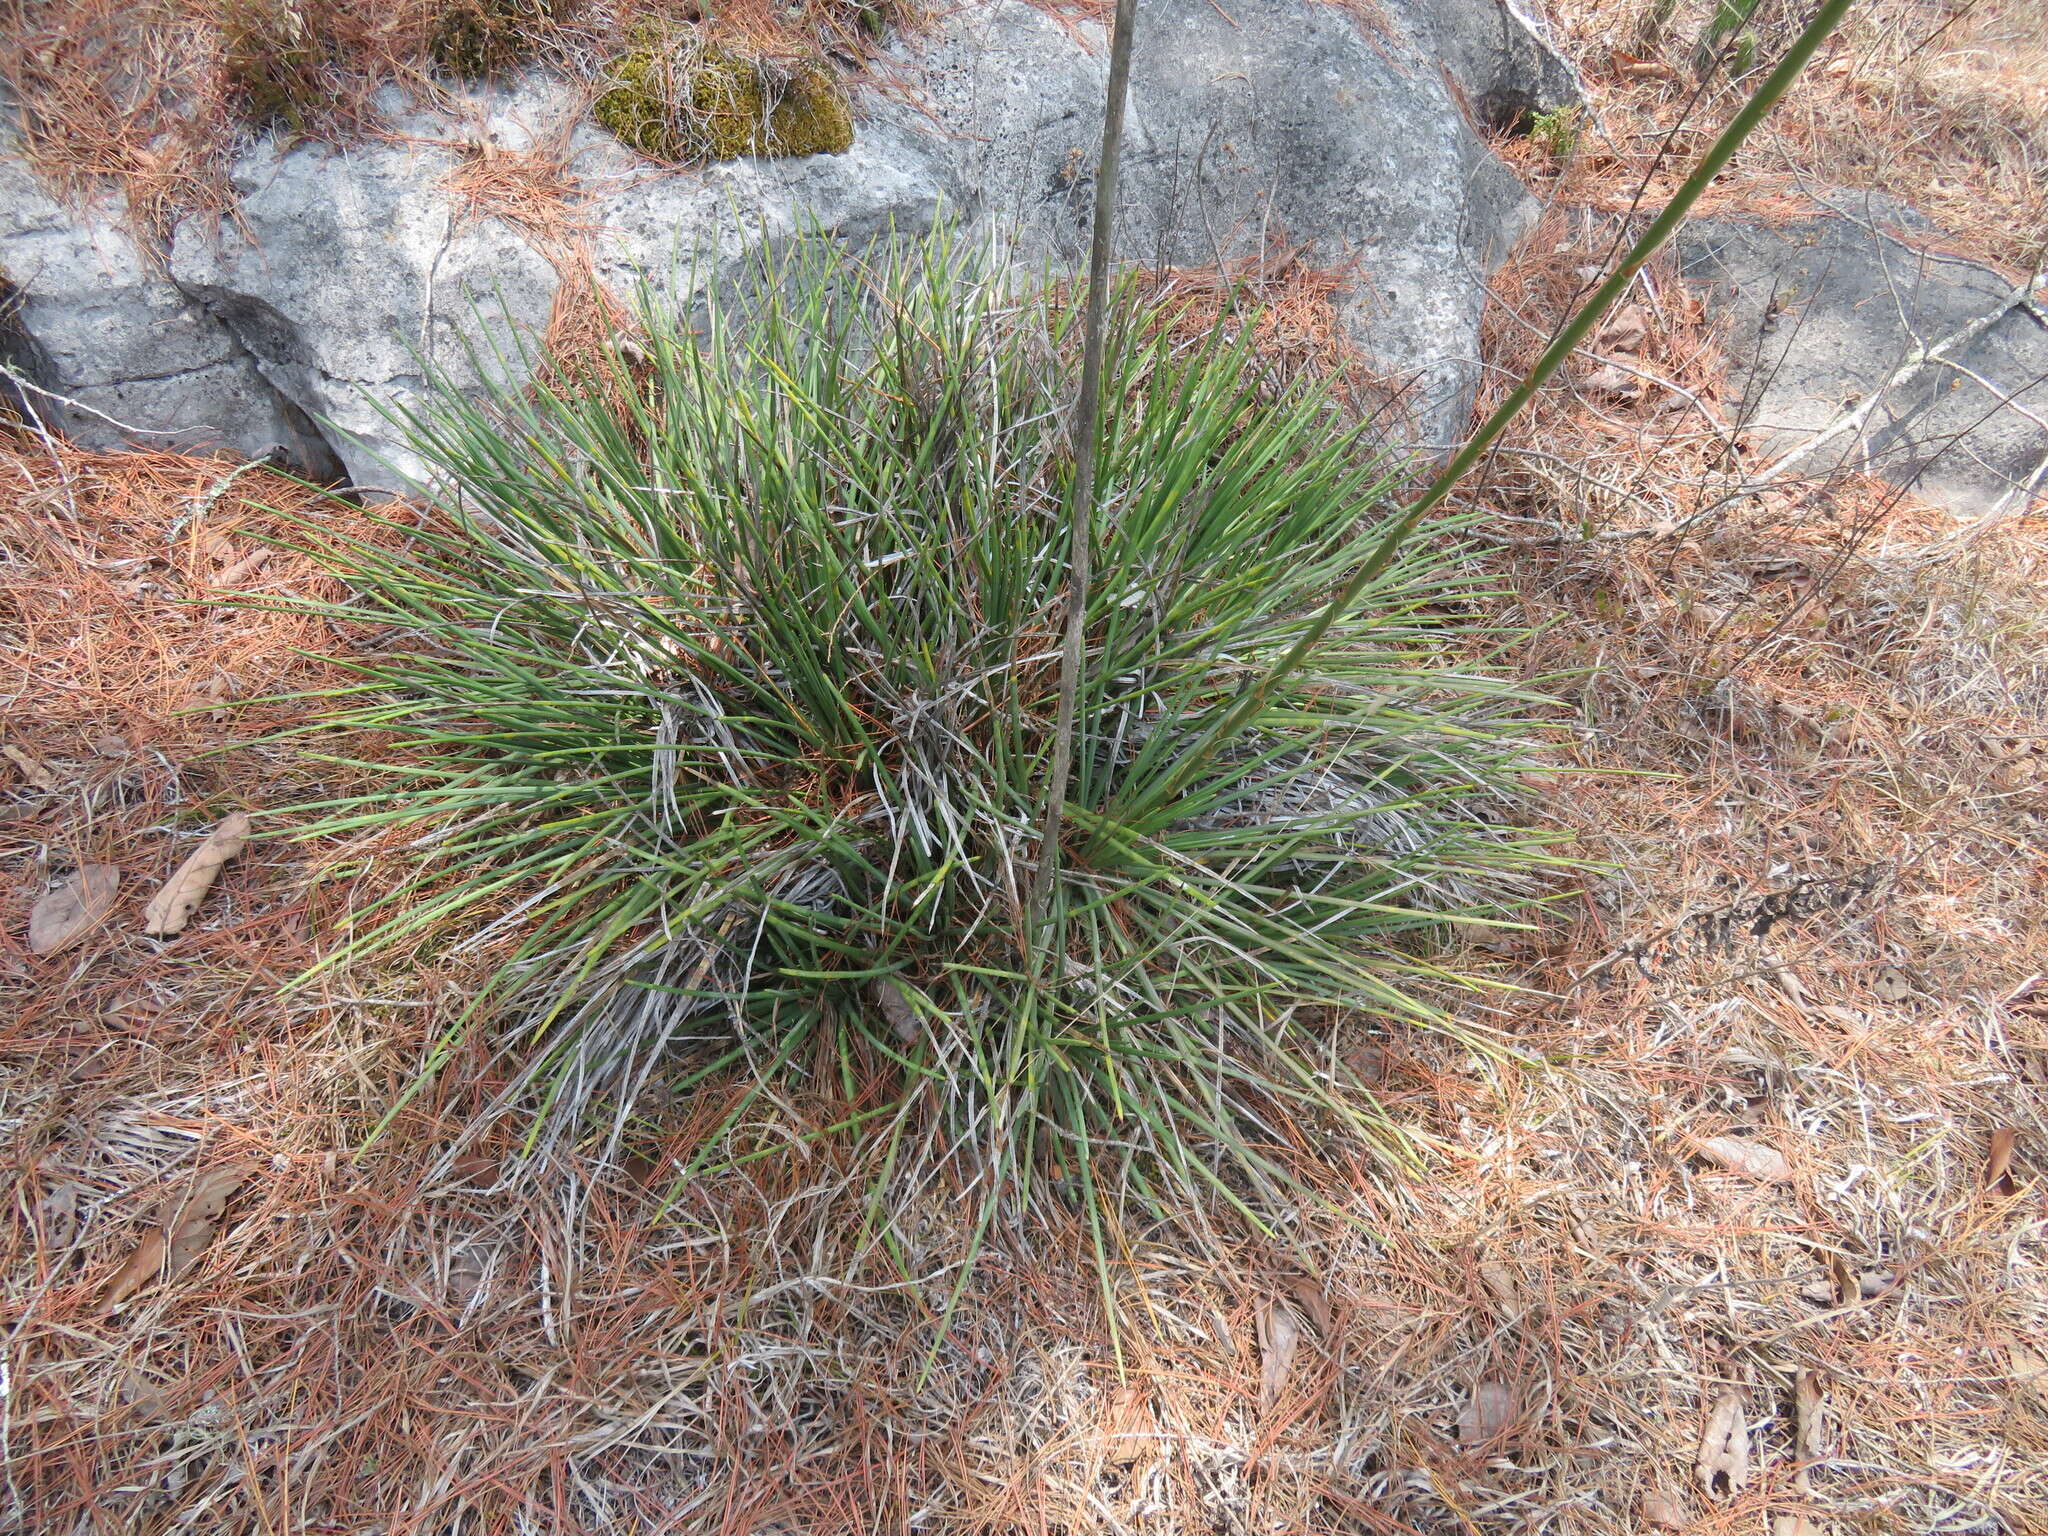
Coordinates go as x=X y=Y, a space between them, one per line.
x=272 y=59
x=481 y=39
x=713 y=104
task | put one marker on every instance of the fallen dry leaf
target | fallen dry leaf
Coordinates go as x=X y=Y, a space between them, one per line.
x=1724 y=1449
x=1660 y=1509
x=1629 y=66
x=37 y=775
x=241 y=570
x=1309 y=1297
x=179 y=1232
x=895 y=1005
x=68 y=912
x=1128 y=1428
x=57 y=1216
x=1998 y=1161
x=1626 y=332
x=1751 y=1159
x=2029 y=1369
x=1806 y=1399
x=171 y=908
x=1279 y=1335
x=1489 y=1413
x=1613 y=383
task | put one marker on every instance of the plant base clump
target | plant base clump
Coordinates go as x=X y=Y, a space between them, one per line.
x=274 y=57
x=482 y=39
x=709 y=103
x=733 y=665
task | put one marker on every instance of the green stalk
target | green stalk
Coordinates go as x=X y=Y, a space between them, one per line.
x=1087 y=433
x=1253 y=694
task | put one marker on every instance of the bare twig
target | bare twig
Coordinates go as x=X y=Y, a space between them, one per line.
x=1917 y=361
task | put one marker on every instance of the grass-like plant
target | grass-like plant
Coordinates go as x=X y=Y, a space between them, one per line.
x=733 y=674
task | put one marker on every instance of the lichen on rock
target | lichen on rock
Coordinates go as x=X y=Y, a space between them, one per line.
x=709 y=103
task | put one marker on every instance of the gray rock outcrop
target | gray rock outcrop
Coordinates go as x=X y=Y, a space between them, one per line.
x=1830 y=318
x=345 y=271
x=107 y=348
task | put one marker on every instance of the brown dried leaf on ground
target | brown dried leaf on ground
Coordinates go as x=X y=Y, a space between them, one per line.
x=178 y=1234
x=1663 y=1511
x=57 y=1217
x=172 y=907
x=1998 y=1178
x=1279 y=1337
x=1489 y=1413
x=1625 y=332
x=895 y=1008
x=68 y=912
x=1751 y=1159
x=1724 y=1448
x=1806 y=1403
x=37 y=775
x=2029 y=1369
x=1312 y=1302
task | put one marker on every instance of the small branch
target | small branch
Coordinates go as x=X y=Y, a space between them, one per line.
x=1917 y=361
x=19 y=382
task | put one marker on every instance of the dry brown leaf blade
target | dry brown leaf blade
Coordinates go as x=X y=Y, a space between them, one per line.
x=57 y=1217
x=1625 y=332
x=143 y=1267
x=1489 y=1413
x=1663 y=1511
x=2029 y=1369
x=1723 y=1463
x=68 y=912
x=172 y=907
x=1998 y=1161
x=37 y=775
x=179 y=1232
x=896 y=1008
x=1309 y=1297
x=1279 y=1337
x=1752 y=1159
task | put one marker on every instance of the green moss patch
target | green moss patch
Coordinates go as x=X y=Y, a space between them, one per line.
x=713 y=104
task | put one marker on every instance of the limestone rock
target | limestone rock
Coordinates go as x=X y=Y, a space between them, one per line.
x=346 y=274
x=87 y=315
x=1821 y=310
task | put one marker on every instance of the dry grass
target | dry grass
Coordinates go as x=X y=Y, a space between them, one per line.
x=153 y=99
x=1824 y=690
x=1852 y=684
x=1942 y=103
